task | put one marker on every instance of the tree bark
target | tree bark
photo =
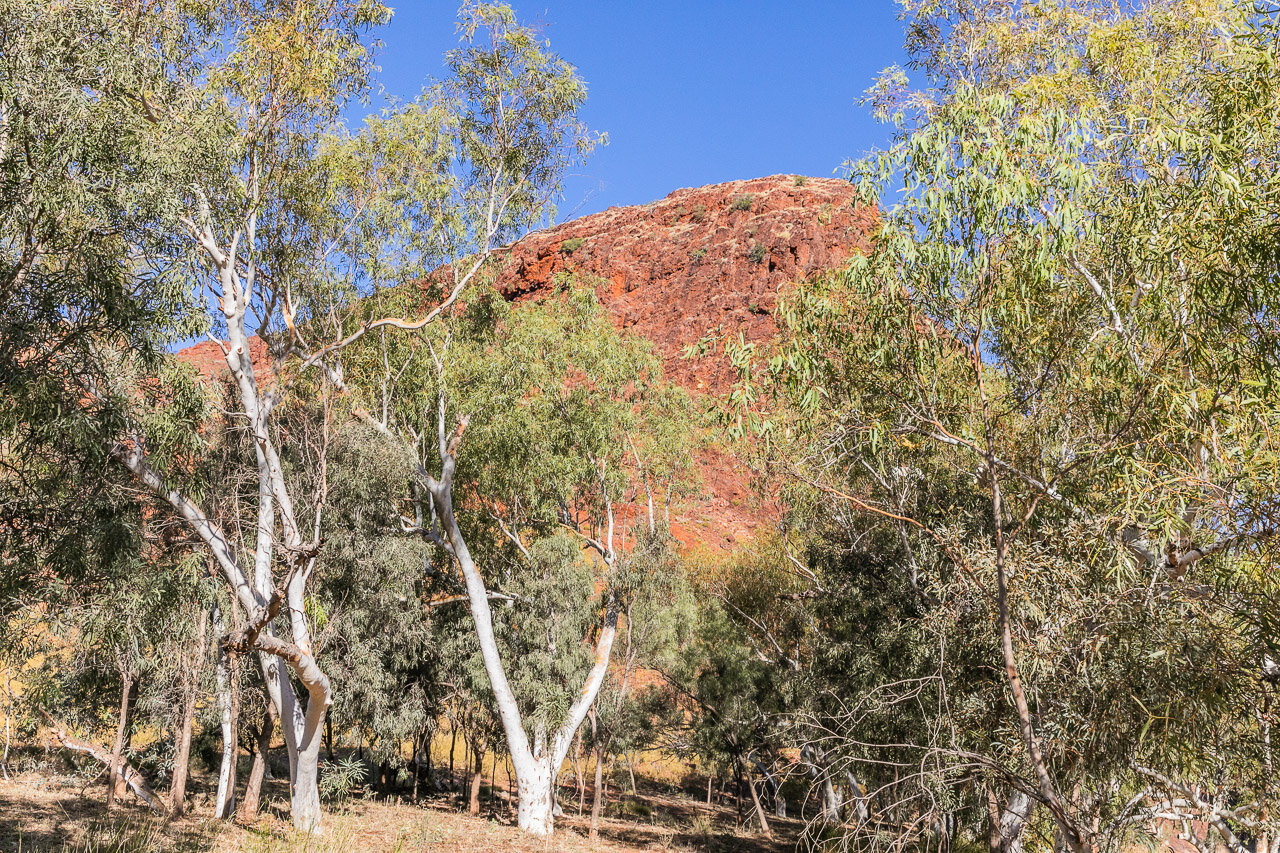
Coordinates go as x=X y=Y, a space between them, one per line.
x=453 y=742
x=116 y=786
x=535 y=766
x=182 y=742
x=131 y=777
x=597 y=795
x=1013 y=821
x=755 y=799
x=224 y=802
x=577 y=770
x=1074 y=835
x=477 y=776
x=301 y=727
x=251 y=803
x=536 y=802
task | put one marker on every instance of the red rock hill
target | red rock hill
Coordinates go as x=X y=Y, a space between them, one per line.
x=674 y=269
x=699 y=258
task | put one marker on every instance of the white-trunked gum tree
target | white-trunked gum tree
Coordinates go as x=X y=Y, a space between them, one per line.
x=540 y=435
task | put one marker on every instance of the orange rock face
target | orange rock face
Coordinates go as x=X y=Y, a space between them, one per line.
x=699 y=259
x=673 y=270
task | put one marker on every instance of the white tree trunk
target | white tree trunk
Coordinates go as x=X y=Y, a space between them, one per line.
x=306 y=771
x=535 y=812
x=1012 y=822
x=303 y=731
x=536 y=768
x=224 y=802
x=830 y=802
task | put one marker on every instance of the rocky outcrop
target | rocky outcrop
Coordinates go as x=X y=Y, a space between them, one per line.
x=699 y=259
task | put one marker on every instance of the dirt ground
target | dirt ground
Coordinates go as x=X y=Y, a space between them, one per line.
x=47 y=812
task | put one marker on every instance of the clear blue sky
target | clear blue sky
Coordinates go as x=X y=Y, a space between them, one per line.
x=692 y=92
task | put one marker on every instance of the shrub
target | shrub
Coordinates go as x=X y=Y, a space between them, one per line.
x=339 y=778
x=743 y=202
x=801 y=180
x=699 y=212
x=571 y=245
x=697 y=255
x=757 y=253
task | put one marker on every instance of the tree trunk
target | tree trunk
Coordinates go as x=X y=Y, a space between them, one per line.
x=251 y=803
x=1073 y=834
x=1007 y=824
x=711 y=778
x=182 y=742
x=830 y=801
x=128 y=698
x=737 y=788
x=755 y=799
x=858 y=796
x=453 y=742
x=132 y=778
x=597 y=796
x=534 y=814
x=477 y=777
x=511 y=786
x=305 y=807
x=429 y=746
x=535 y=767
x=577 y=770
x=224 y=802
x=182 y=753
x=302 y=730
x=417 y=770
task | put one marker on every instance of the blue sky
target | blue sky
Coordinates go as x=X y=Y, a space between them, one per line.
x=693 y=92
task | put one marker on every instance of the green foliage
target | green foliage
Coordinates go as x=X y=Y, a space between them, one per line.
x=757 y=253
x=1038 y=403
x=571 y=245
x=697 y=255
x=743 y=202
x=379 y=642
x=339 y=779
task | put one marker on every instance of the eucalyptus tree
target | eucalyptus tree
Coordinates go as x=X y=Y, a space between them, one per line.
x=1057 y=361
x=551 y=405
x=657 y=620
x=85 y=176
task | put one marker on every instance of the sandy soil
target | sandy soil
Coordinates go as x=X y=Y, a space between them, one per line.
x=45 y=812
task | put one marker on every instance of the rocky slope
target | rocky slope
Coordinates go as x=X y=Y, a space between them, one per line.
x=700 y=258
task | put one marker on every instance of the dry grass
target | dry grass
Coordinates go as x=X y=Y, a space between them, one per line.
x=41 y=812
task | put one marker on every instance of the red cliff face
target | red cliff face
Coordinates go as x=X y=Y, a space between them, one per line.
x=674 y=269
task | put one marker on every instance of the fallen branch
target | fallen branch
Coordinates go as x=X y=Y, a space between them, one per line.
x=131 y=776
